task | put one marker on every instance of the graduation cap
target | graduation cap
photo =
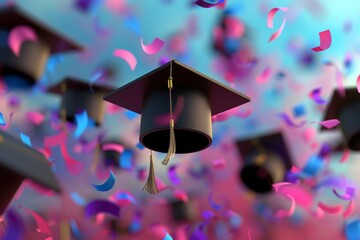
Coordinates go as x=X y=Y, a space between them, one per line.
x=26 y=68
x=181 y=211
x=117 y=155
x=266 y=161
x=78 y=95
x=347 y=110
x=17 y=162
x=186 y=99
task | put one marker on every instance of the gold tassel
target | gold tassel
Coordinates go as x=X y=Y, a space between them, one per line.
x=150 y=185
x=172 y=145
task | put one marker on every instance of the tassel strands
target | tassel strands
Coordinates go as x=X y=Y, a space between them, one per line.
x=172 y=143
x=150 y=185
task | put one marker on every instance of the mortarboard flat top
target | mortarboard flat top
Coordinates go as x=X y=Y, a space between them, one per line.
x=25 y=162
x=338 y=102
x=271 y=142
x=15 y=15
x=77 y=84
x=221 y=97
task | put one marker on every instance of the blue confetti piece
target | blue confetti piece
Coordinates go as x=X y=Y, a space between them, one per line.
x=75 y=229
x=132 y=23
x=299 y=110
x=312 y=166
x=82 y=122
x=352 y=230
x=140 y=146
x=77 y=199
x=131 y=115
x=25 y=139
x=107 y=185
x=167 y=237
x=2 y=120
x=125 y=160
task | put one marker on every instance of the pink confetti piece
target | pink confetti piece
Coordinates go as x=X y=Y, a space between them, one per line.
x=301 y=196
x=113 y=147
x=276 y=186
x=181 y=195
x=153 y=47
x=264 y=76
x=331 y=123
x=73 y=166
x=358 y=84
x=42 y=225
x=271 y=15
x=286 y=213
x=338 y=77
x=127 y=56
x=35 y=118
x=205 y=4
x=276 y=34
x=219 y=163
x=249 y=233
x=164 y=119
x=350 y=209
x=325 y=41
x=348 y=195
x=285 y=117
x=335 y=209
x=18 y=35
x=345 y=156
x=315 y=95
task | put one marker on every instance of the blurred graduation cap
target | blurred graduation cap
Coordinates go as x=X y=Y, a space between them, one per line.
x=117 y=155
x=24 y=70
x=158 y=92
x=182 y=211
x=78 y=96
x=347 y=110
x=17 y=162
x=266 y=160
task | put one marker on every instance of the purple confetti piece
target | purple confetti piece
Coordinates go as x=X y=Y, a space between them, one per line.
x=205 y=4
x=285 y=117
x=174 y=179
x=212 y=203
x=348 y=195
x=101 y=206
x=315 y=95
x=331 y=123
x=15 y=226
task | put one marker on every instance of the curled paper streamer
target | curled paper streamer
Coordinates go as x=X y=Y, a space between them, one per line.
x=25 y=139
x=286 y=213
x=101 y=206
x=35 y=117
x=127 y=56
x=315 y=95
x=270 y=21
x=348 y=195
x=350 y=209
x=325 y=41
x=331 y=123
x=336 y=209
x=285 y=117
x=82 y=121
x=205 y=4
x=107 y=185
x=301 y=196
x=18 y=35
x=113 y=147
x=153 y=47
x=174 y=179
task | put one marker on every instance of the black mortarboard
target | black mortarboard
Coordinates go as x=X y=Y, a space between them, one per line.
x=117 y=155
x=17 y=162
x=266 y=160
x=78 y=95
x=186 y=99
x=347 y=110
x=30 y=63
x=181 y=211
